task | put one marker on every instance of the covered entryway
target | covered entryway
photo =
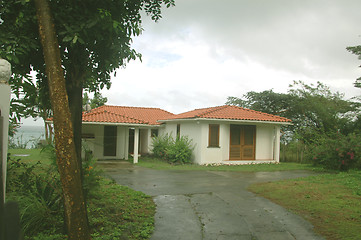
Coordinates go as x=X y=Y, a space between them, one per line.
x=242 y=142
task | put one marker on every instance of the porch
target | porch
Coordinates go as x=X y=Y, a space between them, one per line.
x=117 y=141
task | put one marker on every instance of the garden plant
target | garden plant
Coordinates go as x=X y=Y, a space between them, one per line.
x=114 y=211
x=175 y=151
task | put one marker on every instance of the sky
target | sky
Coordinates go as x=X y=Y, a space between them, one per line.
x=203 y=51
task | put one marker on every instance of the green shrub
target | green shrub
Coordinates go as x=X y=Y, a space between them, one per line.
x=36 y=190
x=114 y=211
x=336 y=151
x=91 y=174
x=178 y=151
x=161 y=145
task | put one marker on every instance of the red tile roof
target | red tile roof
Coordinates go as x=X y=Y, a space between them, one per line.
x=229 y=112
x=131 y=115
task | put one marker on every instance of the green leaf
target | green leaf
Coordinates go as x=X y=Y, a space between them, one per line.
x=67 y=39
x=75 y=39
x=115 y=24
x=81 y=41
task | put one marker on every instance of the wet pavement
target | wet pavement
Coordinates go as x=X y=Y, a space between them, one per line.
x=212 y=205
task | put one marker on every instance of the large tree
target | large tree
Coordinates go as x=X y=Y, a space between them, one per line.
x=267 y=101
x=94 y=39
x=312 y=108
x=69 y=170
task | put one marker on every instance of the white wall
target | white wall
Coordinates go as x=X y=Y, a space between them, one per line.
x=96 y=144
x=224 y=140
x=122 y=140
x=194 y=131
x=150 y=139
x=212 y=154
x=264 y=142
x=169 y=128
x=199 y=130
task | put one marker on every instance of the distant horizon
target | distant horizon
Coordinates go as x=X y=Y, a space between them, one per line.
x=32 y=122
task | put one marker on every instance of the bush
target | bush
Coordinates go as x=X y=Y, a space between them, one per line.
x=91 y=174
x=36 y=188
x=336 y=151
x=180 y=151
x=293 y=151
x=161 y=145
x=114 y=211
x=37 y=191
x=177 y=151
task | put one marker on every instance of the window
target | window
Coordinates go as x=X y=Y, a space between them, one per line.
x=154 y=132
x=213 y=137
x=87 y=135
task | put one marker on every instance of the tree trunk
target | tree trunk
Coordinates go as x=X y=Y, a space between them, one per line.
x=74 y=207
x=74 y=89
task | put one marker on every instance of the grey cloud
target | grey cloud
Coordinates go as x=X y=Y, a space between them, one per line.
x=307 y=37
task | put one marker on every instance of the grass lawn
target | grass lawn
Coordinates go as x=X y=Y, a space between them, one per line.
x=331 y=202
x=118 y=212
x=162 y=165
x=114 y=211
x=30 y=155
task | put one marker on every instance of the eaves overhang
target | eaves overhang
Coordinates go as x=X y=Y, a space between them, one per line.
x=118 y=124
x=224 y=120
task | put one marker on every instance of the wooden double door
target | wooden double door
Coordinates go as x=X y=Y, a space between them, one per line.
x=242 y=142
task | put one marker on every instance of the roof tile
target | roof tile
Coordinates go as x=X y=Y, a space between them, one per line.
x=131 y=115
x=229 y=112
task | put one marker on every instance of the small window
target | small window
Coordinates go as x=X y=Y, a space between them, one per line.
x=154 y=132
x=87 y=135
x=178 y=130
x=213 y=140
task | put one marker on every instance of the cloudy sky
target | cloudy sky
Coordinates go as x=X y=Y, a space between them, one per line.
x=203 y=51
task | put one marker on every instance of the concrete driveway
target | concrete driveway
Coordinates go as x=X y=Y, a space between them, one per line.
x=209 y=205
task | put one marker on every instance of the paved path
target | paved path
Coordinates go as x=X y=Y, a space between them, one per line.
x=195 y=205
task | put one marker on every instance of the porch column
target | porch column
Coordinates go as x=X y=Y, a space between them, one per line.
x=5 y=94
x=277 y=144
x=136 y=144
x=126 y=145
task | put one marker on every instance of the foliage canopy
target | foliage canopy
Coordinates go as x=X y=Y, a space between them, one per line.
x=318 y=116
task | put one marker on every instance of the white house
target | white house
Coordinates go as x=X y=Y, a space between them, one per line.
x=224 y=134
